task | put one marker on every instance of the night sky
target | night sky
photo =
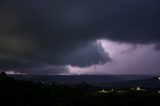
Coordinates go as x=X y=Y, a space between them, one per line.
x=80 y=37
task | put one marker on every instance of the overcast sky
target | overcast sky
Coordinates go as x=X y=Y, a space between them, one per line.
x=80 y=36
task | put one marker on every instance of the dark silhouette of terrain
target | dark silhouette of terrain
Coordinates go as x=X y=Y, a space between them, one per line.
x=147 y=83
x=37 y=93
x=153 y=83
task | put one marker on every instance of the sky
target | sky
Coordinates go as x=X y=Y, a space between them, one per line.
x=76 y=37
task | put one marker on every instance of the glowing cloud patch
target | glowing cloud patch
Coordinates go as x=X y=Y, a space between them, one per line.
x=126 y=59
x=14 y=73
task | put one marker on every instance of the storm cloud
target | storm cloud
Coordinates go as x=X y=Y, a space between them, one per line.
x=60 y=32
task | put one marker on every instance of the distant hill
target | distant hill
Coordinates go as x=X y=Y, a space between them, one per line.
x=75 y=79
x=146 y=83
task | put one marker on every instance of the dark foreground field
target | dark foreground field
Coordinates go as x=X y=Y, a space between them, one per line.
x=27 y=93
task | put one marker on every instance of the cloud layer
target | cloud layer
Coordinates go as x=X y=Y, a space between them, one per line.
x=59 y=33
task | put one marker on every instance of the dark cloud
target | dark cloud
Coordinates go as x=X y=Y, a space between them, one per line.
x=30 y=67
x=2 y=2
x=17 y=64
x=59 y=32
x=49 y=69
x=92 y=53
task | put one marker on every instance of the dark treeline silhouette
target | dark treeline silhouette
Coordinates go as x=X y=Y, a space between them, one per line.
x=28 y=93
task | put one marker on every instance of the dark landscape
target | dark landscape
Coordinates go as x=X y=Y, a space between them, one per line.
x=31 y=92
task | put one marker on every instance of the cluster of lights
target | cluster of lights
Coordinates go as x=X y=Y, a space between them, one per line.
x=105 y=91
x=138 y=89
x=120 y=91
